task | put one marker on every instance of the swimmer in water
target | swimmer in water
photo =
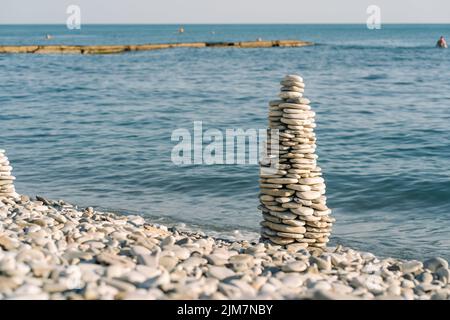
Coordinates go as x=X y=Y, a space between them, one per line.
x=441 y=43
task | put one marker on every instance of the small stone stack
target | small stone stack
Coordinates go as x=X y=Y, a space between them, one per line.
x=6 y=179
x=293 y=201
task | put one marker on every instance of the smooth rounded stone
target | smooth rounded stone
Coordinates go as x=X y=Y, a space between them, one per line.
x=319 y=206
x=294 y=106
x=318 y=244
x=435 y=263
x=303 y=100
x=295 y=116
x=318 y=187
x=168 y=262
x=292 y=205
x=27 y=255
x=302 y=147
x=440 y=295
x=321 y=199
x=168 y=241
x=310 y=162
x=291 y=155
x=295 y=223
x=318 y=230
x=283 y=199
x=311 y=181
x=112 y=259
x=271 y=218
x=283 y=215
x=283 y=227
x=142 y=294
x=295 y=122
x=293 y=77
x=290 y=94
x=275 y=102
x=139 y=250
x=290 y=235
x=296 y=247
x=282 y=180
x=303 y=166
x=268 y=232
x=193 y=262
x=443 y=275
x=308 y=195
x=316 y=235
x=181 y=253
x=298 y=187
x=322 y=263
x=296 y=266
x=292 y=88
x=256 y=249
x=306 y=203
x=133 y=277
x=306 y=240
x=424 y=277
x=309 y=218
x=322 y=213
x=219 y=272
x=8 y=243
x=277 y=208
x=292 y=280
x=267 y=198
x=242 y=258
x=303 y=211
x=427 y=287
x=275 y=113
x=286 y=135
x=7 y=177
x=281 y=241
x=270 y=186
x=328 y=219
x=277 y=192
x=120 y=285
x=270 y=203
x=292 y=83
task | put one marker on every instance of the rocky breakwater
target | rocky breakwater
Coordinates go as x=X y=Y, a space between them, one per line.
x=54 y=250
x=7 y=189
x=113 y=49
x=292 y=190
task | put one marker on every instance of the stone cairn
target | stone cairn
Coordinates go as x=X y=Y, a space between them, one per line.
x=6 y=179
x=293 y=201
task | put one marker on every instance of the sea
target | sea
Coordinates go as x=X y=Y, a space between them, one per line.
x=96 y=130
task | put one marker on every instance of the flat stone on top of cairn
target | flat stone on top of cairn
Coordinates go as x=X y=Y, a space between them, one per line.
x=7 y=189
x=292 y=196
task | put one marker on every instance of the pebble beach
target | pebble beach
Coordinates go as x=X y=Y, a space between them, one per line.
x=55 y=250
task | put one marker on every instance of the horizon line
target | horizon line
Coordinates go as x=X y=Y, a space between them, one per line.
x=220 y=23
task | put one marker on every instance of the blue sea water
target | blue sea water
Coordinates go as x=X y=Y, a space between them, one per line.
x=96 y=129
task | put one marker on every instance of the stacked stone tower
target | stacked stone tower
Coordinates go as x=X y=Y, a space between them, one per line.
x=293 y=201
x=6 y=179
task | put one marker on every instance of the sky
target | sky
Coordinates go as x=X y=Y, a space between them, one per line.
x=224 y=11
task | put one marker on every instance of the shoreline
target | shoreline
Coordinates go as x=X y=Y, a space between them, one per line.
x=112 y=49
x=53 y=250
